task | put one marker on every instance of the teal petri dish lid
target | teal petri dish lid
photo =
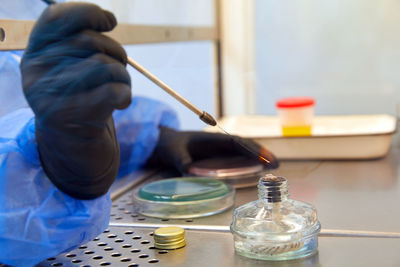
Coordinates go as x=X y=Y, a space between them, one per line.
x=183 y=189
x=187 y=197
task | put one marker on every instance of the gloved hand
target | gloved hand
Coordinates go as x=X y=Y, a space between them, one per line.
x=178 y=150
x=73 y=78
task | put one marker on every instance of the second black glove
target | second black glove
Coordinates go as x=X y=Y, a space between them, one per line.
x=178 y=150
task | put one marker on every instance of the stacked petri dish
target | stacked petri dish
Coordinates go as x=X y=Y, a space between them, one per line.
x=239 y=172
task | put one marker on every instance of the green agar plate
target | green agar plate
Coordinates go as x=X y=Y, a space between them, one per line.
x=187 y=197
x=183 y=189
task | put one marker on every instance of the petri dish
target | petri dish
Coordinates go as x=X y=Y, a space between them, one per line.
x=186 y=197
x=239 y=172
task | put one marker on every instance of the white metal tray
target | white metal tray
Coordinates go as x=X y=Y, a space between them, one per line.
x=333 y=137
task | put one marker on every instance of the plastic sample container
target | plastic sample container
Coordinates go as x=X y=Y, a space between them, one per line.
x=296 y=115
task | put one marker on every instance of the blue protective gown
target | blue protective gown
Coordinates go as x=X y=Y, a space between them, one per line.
x=37 y=220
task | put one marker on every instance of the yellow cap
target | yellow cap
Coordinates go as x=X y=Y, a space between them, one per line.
x=170 y=237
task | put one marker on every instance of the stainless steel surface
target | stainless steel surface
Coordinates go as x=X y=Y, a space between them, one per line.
x=117 y=246
x=357 y=233
x=206 y=249
x=216 y=249
x=356 y=195
x=226 y=229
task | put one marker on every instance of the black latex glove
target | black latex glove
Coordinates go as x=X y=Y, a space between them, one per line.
x=73 y=78
x=176 y=149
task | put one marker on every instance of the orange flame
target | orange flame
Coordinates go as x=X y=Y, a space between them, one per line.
x=263 y=159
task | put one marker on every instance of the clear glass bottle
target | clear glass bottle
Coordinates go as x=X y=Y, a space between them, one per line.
x=275 y=227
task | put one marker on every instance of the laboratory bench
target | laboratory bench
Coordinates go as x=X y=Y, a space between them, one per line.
x=348 y=195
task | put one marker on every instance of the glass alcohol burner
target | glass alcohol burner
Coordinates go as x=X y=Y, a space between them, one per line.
x=275 y=227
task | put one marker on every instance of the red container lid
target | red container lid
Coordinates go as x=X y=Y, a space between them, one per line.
x=295 y=102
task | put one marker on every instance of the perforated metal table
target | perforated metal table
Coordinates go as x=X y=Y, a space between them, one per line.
x=357 y=195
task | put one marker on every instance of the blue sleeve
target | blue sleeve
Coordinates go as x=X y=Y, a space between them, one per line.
x=37 y=220
x=11 y=93
x=138 y=130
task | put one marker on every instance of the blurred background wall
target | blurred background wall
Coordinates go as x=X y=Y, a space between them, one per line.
x=345 y=53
